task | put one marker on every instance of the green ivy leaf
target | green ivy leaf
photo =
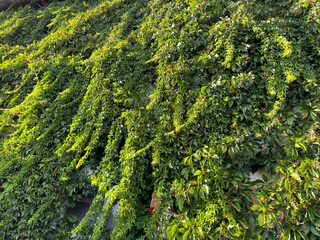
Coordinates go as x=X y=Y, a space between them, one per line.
x=186 y=234
x=72 y=218
x=314 y=231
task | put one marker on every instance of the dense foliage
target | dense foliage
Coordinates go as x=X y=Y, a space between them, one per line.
x=181 y=97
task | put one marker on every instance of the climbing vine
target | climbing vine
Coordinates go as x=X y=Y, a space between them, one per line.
x=184 y=98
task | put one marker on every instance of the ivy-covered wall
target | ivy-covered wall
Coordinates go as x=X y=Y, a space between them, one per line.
x=183 y=98
x=5 y=4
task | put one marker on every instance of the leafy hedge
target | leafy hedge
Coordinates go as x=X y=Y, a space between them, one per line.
x=181 y=97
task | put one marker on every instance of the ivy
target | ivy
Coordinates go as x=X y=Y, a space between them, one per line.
x=181 y=98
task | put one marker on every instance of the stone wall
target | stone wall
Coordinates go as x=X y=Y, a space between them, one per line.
x=5 y=4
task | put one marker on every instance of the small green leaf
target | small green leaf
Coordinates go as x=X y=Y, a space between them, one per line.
x=314 y=231
x=72 y=218
x=255 y=207
x=200 y=231
x=286 y=184
x=295 y=176
x=244 y=223
x=185 y=235
x=265 y=178
x=303 y=235
x=174 y=229
x=264 y=236
x=287 y=234
x=261 y=219
x=180 y=204
x=63 y=178
x=317 y=223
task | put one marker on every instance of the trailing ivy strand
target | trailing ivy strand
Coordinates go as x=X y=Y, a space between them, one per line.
x=181 y=98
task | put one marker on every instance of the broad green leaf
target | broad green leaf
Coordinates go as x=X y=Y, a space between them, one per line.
x=314 y=230
x=186 y=234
